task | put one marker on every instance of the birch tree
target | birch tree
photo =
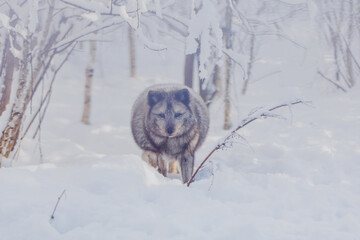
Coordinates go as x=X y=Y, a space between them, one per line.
x=132 y=52
x=228 y=67
x=89 y=73
x=28 y=42
x=36 y=40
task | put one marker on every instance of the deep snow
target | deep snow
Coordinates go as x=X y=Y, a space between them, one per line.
x=292 y=178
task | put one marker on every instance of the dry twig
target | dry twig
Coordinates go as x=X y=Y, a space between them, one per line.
x=333 y=82
x=56 y=205
x=252 y=117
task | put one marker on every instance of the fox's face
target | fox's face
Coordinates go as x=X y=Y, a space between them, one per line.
x=170 y=114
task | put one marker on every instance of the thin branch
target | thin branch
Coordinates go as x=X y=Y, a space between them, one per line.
x=351 y=52
x=228 y=54
x=243 y=123
x=266 y=75
x=56 y=205
x=137 y=14
x=167 y=19
x=78 y=6
x=281 y=35
x=41 y=77
x=74 y=39
x=41 y=116
x=47 y=95
x=94 y=11
x=241 y=17
x=333 y=82
x=288 y=15
x=50 y=88
x=203 y=162
x=176 y=19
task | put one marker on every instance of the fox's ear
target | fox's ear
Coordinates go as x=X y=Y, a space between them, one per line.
x=183 y=96
x=155 y=97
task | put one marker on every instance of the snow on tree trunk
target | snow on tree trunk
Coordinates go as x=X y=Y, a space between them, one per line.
x=89 y=73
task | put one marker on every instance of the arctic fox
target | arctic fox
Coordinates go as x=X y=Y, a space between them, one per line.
x=169 y=122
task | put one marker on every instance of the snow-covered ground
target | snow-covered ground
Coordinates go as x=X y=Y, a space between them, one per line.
x=292 y=178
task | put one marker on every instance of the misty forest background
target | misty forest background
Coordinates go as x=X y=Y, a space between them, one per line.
x=221 y=44
x=70 y=71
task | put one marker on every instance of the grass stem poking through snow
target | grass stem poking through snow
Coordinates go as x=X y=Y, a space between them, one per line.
x=258 y=114
x=56 y=205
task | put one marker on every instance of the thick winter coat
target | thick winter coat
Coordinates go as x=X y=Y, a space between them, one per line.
x=169 y=122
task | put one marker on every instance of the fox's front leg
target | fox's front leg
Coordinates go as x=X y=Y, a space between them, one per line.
x=162 y=165
x=150 y=157
x=187 y=158
x=186 y=166
x=155 y=160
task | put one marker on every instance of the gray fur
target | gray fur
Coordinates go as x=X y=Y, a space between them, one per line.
x=169 y=122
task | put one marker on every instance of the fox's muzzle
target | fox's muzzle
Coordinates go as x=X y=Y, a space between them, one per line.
x=170 y=128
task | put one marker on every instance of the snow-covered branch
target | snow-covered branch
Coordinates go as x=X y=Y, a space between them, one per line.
x=257 y=114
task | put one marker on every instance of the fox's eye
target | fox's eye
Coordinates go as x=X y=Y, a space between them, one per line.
x=161 y=115
x=177 y=115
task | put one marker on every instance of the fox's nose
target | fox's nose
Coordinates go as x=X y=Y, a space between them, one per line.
x=170 y=130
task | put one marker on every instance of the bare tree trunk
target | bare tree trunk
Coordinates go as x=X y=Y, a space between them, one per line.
x=217 y=80
x=349 y=68
x=228 y=67
x=349 y=60
x=45 y=33
x=189 y=70
x=250 y=63
x=203 y=91
x=227 y=119
x=132 y=52
x=208 y=94
x=8 y=65
x=89 y=73
x=9 y=62
x=333 y=22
